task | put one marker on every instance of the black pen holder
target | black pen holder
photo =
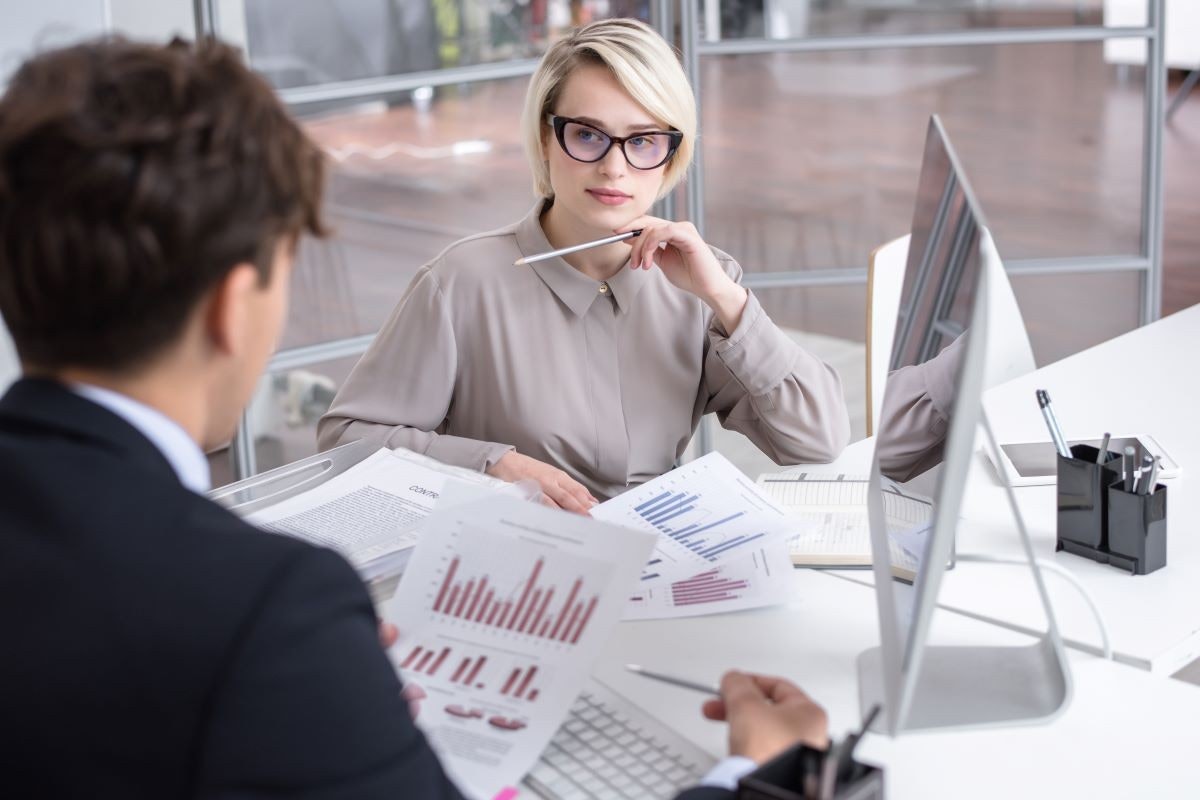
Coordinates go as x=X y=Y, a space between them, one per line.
x=1083 y=501
x=797 y=773
x=1137 y=529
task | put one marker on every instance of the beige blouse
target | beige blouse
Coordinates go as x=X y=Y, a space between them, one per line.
x=605 y=380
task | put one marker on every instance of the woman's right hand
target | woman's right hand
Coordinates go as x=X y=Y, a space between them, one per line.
x=559 y=489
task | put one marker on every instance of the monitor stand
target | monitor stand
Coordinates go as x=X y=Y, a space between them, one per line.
x=966 y=687
x=983 y=686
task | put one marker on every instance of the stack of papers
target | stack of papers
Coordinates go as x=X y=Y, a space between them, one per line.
x=370 y=512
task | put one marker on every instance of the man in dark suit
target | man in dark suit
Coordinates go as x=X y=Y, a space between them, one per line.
x=154 y=645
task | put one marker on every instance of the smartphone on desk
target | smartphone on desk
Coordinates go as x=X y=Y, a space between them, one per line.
x=1035 y=463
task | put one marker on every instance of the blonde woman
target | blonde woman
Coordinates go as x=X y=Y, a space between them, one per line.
x=590 y=373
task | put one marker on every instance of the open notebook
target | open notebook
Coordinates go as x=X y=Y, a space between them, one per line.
x=833 y=530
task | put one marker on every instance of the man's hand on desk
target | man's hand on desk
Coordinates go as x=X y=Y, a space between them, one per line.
x=767 y=716
x=559 y=489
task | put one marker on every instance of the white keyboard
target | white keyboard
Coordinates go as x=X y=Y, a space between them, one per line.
x=610 y=748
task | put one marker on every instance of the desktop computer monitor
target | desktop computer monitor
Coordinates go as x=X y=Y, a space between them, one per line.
x=939 y=357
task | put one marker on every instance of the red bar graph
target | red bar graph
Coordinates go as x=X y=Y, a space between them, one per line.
x=528 y=608
x=411 y=657
x=429 y=662
x=475 y=599
x=527 y=680
x=708 y=587
x=437 y=664
x=479 y=662
x=518 y=684
x=423 y=660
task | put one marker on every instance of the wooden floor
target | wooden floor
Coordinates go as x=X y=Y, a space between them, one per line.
x=810 y=162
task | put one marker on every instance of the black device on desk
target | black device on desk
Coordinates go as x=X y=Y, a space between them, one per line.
x=1111 y=513
x=805 y=773
x=1111 y=507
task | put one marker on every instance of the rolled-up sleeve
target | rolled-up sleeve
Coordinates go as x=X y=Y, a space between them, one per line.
x=400 y=392
x=767 y=387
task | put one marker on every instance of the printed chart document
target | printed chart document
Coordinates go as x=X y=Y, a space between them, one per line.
x=503 y=609
x=831 y=527
x=369 y=512
x=763 y=577
x=706 y=513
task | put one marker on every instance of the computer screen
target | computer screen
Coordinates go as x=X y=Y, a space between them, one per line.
x=928 y=407
x=932 y=410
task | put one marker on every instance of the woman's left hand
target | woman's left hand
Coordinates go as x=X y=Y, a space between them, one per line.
x=687 y=262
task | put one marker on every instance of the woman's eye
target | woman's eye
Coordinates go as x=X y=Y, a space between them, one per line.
x=640 y=141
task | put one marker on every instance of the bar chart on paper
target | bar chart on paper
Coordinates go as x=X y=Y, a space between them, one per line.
x=762 y=577
x=478 y=670
x=533 y=606
x=548 y=598
x=684 y=517
x=705 y=512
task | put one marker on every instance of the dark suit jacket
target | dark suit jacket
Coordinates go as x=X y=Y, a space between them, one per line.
x=153 y=645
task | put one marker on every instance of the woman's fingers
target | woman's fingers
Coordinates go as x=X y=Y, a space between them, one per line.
x=566 y=501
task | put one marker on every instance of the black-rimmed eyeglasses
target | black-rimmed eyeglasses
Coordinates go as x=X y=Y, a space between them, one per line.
x=587 y=143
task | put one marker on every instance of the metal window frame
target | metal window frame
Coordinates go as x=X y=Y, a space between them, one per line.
x=691 y=17
x=1148 y=261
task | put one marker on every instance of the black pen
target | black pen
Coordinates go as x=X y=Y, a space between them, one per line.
x=846 y=756
x=1103 y=448
x=1060 y=444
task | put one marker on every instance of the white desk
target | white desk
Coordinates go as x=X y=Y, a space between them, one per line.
x=1119 y=716
x=1145 y=381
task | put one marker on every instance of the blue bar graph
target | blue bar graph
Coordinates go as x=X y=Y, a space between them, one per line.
x=662 y=513
x=704 y=538
x=646 y=505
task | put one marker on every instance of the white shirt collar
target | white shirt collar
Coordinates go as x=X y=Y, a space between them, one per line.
x=181 y=452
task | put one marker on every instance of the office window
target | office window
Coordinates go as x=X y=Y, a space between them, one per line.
x=1071 y=312
x=29 y=28
x=820 y=167
x=789 y=19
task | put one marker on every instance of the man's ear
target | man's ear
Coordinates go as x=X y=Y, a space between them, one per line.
x=230 y=310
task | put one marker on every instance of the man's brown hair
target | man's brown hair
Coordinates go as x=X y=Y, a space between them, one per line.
x=133 y=178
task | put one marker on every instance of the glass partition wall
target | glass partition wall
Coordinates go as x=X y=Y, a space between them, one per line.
x=813 y=114
x=812 y=118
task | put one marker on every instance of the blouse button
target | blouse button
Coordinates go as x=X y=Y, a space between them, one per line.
x=603 y=288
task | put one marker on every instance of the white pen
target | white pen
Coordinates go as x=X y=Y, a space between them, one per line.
x=1149 y=470
x=671 y=679
x=1152 y=482
x=575 y=248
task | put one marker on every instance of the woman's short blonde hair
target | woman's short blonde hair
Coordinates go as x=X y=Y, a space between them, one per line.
x=645 y=66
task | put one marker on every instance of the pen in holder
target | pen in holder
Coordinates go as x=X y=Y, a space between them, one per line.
x=801 y=773
x=1137 y=529
x=1083 y=501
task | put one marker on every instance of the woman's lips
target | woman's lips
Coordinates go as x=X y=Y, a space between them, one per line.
x=609 y=198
